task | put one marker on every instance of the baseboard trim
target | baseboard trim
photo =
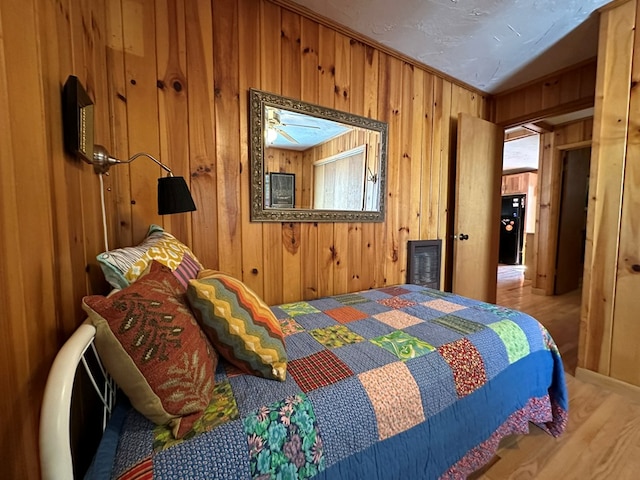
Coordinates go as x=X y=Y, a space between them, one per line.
x=538 y=291
x=617 y=386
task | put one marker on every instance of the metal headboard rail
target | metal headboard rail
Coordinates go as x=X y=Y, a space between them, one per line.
x=106 y=393
x=55 y=442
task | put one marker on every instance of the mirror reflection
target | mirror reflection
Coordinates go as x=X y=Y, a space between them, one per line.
x=311 y=163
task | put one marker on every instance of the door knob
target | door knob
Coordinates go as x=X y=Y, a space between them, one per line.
x=462 y=236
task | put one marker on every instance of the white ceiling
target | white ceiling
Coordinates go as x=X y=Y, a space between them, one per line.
x=521 y=154
x=492 y=45
x=306 y=131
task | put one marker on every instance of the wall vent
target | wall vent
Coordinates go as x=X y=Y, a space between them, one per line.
x=423 y=262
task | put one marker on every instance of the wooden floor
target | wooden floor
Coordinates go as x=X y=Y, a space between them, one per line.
x=602 y=440
x=560 y=314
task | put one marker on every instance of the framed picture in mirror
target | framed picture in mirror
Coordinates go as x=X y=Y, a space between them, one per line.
x=282 y=190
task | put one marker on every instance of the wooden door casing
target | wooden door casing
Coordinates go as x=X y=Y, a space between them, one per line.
x=573 y=220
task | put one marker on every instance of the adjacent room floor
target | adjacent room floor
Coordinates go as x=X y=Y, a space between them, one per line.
x=602 y=440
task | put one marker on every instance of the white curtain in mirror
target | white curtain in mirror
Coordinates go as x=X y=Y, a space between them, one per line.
x=338 y=180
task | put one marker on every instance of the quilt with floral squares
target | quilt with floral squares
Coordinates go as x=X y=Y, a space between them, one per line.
x=398 y=382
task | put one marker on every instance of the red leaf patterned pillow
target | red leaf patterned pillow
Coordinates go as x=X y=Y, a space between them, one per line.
x=154 y=349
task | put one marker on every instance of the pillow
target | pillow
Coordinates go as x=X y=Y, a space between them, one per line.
x=154 y=349
x=123 y=266
x=242 y=328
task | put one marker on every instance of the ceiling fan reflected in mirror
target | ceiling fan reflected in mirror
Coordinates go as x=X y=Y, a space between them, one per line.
x=275 y=126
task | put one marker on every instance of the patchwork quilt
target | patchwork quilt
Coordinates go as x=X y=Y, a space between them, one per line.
x=398 y=382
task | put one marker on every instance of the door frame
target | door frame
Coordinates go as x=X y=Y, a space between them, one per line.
x=548 y=213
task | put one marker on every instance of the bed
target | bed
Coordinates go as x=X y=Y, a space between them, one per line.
x=396 y=382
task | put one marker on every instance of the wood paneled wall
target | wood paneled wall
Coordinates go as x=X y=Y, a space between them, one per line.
x=610 y=330
x=565 y=91
x=171 y=78
x=49 y=203
x=259 y=44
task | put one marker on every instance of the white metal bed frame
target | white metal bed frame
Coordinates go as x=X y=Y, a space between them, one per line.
x=56 y=461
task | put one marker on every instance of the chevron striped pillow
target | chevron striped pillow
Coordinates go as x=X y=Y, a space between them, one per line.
x=123 y=266
x=239 y=324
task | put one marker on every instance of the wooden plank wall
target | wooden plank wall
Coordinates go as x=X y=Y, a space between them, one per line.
x=609 y=330
x=565 y=91
x=625 y=356
x=552 y=144
x=49 y=203
x=171 y=78
x=298 y=58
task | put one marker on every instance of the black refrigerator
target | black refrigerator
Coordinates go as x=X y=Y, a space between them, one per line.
x=512 y=229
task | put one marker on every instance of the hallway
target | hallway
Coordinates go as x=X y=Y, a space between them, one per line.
x=560 y=314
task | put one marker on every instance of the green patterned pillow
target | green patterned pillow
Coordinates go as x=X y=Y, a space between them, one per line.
x=123 y=266
x=241 y=327
x=154 y=349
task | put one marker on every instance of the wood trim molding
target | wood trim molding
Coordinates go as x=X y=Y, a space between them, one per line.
x=518 y=132
x=609 y=383
x=569 y=107
x=539 y=127
x=574 y=145
x=550 y=76
x=306 y=12
x=612 y=5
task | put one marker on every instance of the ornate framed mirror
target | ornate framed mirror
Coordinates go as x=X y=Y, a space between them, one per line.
x=314 y=164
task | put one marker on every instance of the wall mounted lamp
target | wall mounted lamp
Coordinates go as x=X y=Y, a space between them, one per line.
x=173 y=193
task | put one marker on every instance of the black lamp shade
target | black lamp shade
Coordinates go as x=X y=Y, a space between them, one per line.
x=174 y=196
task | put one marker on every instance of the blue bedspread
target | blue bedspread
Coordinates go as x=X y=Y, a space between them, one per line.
x=399 y=382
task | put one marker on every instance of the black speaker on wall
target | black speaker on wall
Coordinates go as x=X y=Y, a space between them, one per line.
x=423 y=262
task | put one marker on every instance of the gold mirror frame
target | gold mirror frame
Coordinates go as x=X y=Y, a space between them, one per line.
x=257 y=102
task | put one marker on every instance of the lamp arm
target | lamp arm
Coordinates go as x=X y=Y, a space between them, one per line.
x=102 y=160
x=143 y=154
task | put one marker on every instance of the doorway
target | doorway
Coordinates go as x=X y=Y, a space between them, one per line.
x=572 y=221
x=519 y=202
